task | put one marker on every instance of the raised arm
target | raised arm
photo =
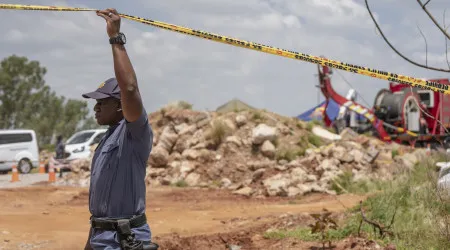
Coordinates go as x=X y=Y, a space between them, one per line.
x=130 y=97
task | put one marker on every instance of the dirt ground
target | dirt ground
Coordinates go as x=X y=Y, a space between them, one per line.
x=46 y=217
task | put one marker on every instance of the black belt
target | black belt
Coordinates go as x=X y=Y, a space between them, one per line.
x=112 y=224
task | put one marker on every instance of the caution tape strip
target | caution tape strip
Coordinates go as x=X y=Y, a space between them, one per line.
x=375 y=73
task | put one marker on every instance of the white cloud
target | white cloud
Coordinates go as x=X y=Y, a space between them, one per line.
x=172 y=66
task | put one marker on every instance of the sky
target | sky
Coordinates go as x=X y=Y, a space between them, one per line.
x=74 y=48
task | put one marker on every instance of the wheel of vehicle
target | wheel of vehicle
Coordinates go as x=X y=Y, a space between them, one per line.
x=24 y=166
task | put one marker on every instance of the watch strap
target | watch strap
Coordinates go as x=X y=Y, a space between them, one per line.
x=117 y=39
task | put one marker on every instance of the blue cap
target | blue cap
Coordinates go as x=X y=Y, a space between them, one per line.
x=108 y=88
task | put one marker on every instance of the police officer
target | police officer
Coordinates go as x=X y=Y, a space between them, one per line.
x=117 y=188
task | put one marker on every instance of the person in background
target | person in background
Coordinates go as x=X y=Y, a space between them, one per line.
x=59 y=151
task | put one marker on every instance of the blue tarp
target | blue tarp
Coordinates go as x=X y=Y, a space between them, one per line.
x=316 y=112
x=332 y=110
x=312 y=114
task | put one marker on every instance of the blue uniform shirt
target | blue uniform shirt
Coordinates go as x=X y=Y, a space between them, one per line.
x=117 y=187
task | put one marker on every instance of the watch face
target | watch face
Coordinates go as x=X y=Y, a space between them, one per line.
x=123 y=38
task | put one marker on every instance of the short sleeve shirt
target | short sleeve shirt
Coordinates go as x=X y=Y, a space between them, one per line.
x=117 y=185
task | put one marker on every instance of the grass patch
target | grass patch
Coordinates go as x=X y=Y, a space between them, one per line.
x=289 y=154
x=184 y=105
x=315 y=140
x=304 y=233
x=421 y=218
x=300 y=125
x=181 y=183
x=394 y=153
x=257 y=116
x=309 y=126
x=345 y=183
x=218 y=131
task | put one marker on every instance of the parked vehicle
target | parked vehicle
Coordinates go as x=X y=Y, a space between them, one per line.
x=78 y=145
x=20 y=148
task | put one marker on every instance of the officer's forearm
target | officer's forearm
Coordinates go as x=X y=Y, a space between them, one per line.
x=126 y=78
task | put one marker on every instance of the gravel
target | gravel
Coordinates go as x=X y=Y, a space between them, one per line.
x=25 y=180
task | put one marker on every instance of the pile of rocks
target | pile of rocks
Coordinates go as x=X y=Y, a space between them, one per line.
x=262 y=154
x=258 y=153
x=80 y=172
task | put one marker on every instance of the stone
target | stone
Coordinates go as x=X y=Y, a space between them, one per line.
x=263 y=132
x=225 y=182
x=202 y=123
x=347 y=158
x=281 y=167
x=304 y=188
x=277 y=185
x=246 y=191
x=268 y=149
x=371 y=154
x=230 y=124
x=174 y=164
x=192 y=179
x=294 y=191
x=155 y=172
x=254 y=165
x=298 y=175
x=241 y=120
x=358 y=156
x=311 y=178
x=186 y=167
x=329 y=164
x=180 y=127
x=258 y=174
x=283 y=162
x=187 y=130
x=234 y=140
x=191 y=154
x=294 y=164
x=159 y=157
x=166 y=181
x=338 y=152
x=167 y=139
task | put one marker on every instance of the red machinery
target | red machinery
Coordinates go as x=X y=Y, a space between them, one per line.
x=403 y=114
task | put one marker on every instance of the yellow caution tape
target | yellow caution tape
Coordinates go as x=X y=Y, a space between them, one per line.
x=375 y=73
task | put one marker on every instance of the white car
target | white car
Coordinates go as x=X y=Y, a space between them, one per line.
x=18 y=147
x=78 y=145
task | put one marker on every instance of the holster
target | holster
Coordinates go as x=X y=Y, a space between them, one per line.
x=123 y=228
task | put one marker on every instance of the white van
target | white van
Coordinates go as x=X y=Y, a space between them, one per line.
x=19 y=147
x=79 y=144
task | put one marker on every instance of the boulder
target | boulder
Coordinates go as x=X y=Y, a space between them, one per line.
x=263 y=132
x=167 y=139
x=246 y=191
x=241 y=120
x=277 y=185
x=268 y=149
x=159 y=157
x=192 y=179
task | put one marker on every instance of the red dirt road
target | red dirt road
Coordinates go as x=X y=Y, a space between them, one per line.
x=57 y=217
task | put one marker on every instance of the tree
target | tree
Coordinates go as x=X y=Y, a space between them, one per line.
x=27 y=102
x=20 y=82
x=433 y=19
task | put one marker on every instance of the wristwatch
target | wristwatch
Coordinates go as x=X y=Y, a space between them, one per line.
x=119 y=39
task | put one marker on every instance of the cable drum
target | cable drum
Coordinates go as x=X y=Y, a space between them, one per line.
x=399 y=109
